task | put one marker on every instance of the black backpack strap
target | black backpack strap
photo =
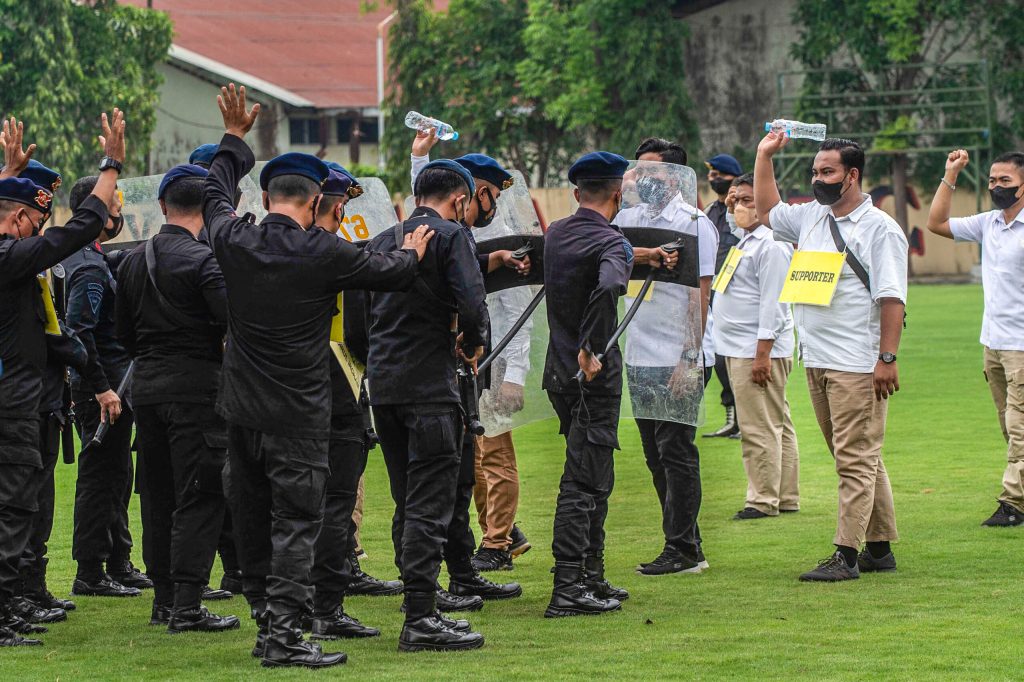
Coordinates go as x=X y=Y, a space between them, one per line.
x=419 y=284
x=177 y=316
x=851 y=257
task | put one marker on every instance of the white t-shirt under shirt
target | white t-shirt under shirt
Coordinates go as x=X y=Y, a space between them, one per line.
x=845 y=335
x=1002 y=275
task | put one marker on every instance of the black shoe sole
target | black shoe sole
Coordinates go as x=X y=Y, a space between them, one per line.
x=496 y=597
x=492 y=569
x=172 y=631
x=464 y=609
x=553 y=612
x=381 y=593
x=275 y=664
x=519 y=551
x=467 y=646
x=104 y=594
x=828 y=580
x=334 y=638
x=877 y=570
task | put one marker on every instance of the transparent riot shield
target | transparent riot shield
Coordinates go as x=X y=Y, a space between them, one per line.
x=662 y=345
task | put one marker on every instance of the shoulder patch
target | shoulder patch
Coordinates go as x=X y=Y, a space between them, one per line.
x=94 y=292
x=628 y=248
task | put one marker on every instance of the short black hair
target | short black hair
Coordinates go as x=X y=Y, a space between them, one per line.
x=439 y=183
x=81 y=189
x=670 y=152
x=185 y=195
x=297 y=188
x=1015 y=158
x=598 y=189
x=851 y=154
x=745 y=179
x=328 y=204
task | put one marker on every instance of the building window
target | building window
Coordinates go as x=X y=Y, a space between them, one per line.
x=367 y=126
x=304 y=130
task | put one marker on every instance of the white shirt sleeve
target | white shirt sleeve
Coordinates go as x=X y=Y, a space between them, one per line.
x=969 y=229
x=418 y=162
x=771 y=275
x=787 y=221
x=888 y=264
x=707 y=246
x=517 y=353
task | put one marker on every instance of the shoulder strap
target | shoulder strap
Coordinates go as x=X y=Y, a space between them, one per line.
x=177 y=316
x=851 y=257
x=418 y=283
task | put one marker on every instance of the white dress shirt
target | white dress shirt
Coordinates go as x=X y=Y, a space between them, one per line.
x=1002 y=275
x=845 y=335
x=505 y=308
x=749 y=309
x=660 y=333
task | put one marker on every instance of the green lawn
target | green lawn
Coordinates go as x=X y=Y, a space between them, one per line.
x=949 y=612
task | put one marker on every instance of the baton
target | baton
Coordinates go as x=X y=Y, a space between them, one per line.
x=628 y=317
x=510 y=334
x=101 y=430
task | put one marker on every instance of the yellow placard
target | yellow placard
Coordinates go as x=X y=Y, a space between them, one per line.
x=52 y=327
x=634 y=287
x=812 y=277
x=338 y=322
x=352 y=368
x=724 y=276
x=357 y=224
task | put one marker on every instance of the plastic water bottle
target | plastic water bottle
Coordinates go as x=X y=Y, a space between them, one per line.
x=418 y=121
x=797 y=129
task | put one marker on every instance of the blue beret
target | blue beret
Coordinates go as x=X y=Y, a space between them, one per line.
x=723 y=163
x=340 y=182
x=47 y=178
x=448 y=164
x=294 y=163
x=203 y=155
x=483 y=167
x=24 y=191
x=598 y=166
x=185 y=170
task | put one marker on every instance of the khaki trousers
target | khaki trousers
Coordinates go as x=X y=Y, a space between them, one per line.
x=1004 y=370
x=770 y=455
x=357 y=517
x=853 y=423
x=496 y=493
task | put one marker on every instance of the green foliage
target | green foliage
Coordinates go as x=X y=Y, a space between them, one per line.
x=63 y=63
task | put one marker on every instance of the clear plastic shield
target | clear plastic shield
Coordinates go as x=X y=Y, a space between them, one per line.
x=662 y=345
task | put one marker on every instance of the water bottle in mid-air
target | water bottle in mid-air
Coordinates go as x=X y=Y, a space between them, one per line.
x=797 y=129
x=418 y=121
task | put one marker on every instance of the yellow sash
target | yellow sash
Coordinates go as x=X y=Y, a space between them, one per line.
x=724 y=276
x=812 y=277
x=52 y=327
x=353 y=369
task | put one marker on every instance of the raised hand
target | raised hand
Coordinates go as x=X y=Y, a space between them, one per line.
x=112 y=139
x=424 y=142
x=772 y=143
x=957 y=160
x=418 y=240
x=730 y=199
x=15 y=158
x=237 y=121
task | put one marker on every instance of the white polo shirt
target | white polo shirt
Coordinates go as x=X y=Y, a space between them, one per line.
x=749 y=309
x=661 y=331
x=1002 y=275
x=845 y=335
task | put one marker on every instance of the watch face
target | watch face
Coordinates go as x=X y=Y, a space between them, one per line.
x=888 y=358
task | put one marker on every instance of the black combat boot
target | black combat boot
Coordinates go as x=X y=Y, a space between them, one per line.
x=596 y=583
x=426 y=630
x=10 y=637
x=232 y=582
x=29 y=611
x=570 y=597
x=124 y=572
x=337 y=625
x=189 y=615
x=262 y=630
x=161 y=614
x=285 y=647
x=469 y=583
x=364 y=584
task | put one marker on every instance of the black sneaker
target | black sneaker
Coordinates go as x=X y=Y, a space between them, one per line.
x=104 y=587
x=1006 y=515
x=210 y=594
x=520 y=545
x=869 y=564
x=487 y=559
x=748 y=513
x=832 y=570
x=125 y=573
x=365 y=584
x=668 y=563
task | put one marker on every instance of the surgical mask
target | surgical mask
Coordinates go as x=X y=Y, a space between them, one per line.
x=734 y=229
x=118 y=224
x=745 y=217
x=652 y=191
x=720 y=186
x=1004 y=197
x=485 y=219
x=827 y=193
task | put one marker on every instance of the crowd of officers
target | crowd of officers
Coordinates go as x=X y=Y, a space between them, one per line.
x=232 y=346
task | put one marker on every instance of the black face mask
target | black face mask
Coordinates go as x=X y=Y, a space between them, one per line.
x=485 y=219
x=112 y=232
x=720 y=185
x=827 y=193
x=1004 y=197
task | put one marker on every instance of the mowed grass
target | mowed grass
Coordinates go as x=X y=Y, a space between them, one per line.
x=951 y=611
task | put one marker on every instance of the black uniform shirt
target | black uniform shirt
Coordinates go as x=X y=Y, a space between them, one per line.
x=177 y=354
x=22 y=317
x=91 y=291
x=587 y=263
x=282 y=284
x=412 y=350
x=716 y=213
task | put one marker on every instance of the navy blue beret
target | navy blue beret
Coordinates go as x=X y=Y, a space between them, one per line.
x=483 y=167
x=340 y=182
x=294 y=163
x=203 y=155
x=723 y=163
x=598 y=166
x=185 y=170
x=47 y=178
x=448 y=164
x=24 y=191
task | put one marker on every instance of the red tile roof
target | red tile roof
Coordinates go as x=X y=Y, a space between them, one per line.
x=325 y=51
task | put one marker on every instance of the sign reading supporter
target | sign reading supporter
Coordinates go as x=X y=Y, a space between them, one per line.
x=812 y=278
x=724 y=276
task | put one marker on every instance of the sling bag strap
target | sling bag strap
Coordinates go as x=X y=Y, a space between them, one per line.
x=419 y=284
x=851 y=257
x=177 y=315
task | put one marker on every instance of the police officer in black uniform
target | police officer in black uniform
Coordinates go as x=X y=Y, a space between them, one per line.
x=105 y=470
x=171 y=317
x=283 y=276
x=587 y=262
x=23 y=321
x=413 y=388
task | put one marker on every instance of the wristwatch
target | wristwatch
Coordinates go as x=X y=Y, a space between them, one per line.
x=109 y=162
x=887 y=358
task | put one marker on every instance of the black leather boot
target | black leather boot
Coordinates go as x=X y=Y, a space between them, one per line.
x=8 y=636
x=365 y=584
x=124 y=572
x=232 y=582
x=425 y=630
x=448 y=602
x=337 y=625
x=285 y=647
x=199 y=619
x=471 y=583
x=161 y=614
x=570 y=597
x=262 y=630
x=27 y=610
x=596 y=583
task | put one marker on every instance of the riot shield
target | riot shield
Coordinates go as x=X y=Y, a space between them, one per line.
x=662 y=347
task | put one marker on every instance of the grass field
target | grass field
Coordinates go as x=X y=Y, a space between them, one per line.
x=949 y=612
